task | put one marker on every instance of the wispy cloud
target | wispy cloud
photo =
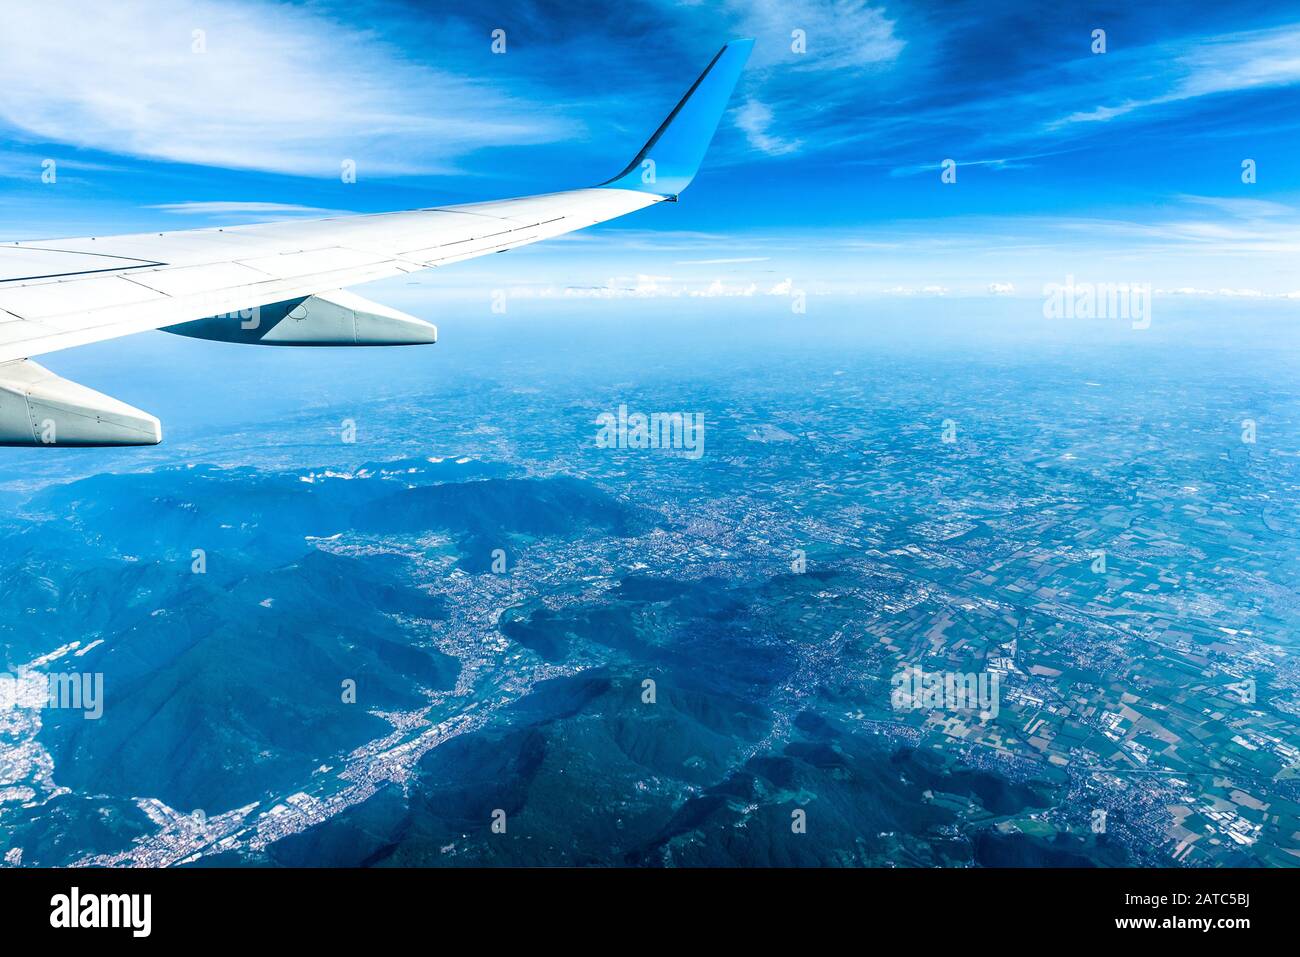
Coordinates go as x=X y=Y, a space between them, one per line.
x=998 y=163
x=755 y=120
x=1229 y=63
x=949 y=102
x=1242 y=208
x=244 y=85
x=836 y=35
x=219 y=208
x=839 y=42
x=650 y=287
x=721 y=262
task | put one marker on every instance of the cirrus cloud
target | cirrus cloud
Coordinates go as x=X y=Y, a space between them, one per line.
x=243 y=85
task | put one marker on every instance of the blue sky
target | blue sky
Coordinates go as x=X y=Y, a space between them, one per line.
x=1121 y=166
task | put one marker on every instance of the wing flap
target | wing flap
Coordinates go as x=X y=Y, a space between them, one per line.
x=22 y=330
x=52 y=299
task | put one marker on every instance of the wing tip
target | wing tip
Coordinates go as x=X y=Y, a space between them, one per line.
x=668 y=162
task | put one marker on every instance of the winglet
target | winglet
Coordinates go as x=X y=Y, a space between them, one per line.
x=669 y=161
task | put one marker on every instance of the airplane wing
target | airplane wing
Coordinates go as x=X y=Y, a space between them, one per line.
x=283 y=283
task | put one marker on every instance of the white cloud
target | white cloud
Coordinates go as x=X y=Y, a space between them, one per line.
x=720 y=288
x=1225 y=293
x=754 y=119
x=1103 y=113
x=1243 y=208
x=1240 y=61
x=1001 y=289
x=242 y=209
x=645 y=287
x=997 y=163
x=720 y=262
x=928 y=290
x=1224 y=64
x=841 y=34
x=279 y=88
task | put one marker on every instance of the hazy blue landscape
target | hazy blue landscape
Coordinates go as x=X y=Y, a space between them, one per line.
x=885 y=483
